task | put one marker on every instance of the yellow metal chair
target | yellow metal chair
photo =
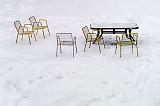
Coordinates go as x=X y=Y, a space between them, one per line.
x=23 y=31
x=126 y=42
x=40 y=25
x=90 y=37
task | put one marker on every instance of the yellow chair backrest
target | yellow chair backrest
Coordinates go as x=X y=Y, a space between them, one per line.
x=32 y=20
x=86 y=33
x=18 y=27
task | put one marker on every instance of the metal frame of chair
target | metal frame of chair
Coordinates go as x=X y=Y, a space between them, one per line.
x=23 y=30
x=63 y=40
x=89 y=38
x=121 y=42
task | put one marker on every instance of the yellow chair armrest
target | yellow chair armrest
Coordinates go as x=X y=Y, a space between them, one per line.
x=37 y=24
x=27 y=24
x=134 y=33
x=95 y=32
x=42 y=21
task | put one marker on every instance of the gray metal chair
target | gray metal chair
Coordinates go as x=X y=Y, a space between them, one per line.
x=65 y=39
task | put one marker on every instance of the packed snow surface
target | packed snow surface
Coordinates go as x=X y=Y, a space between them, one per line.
x=31 y=75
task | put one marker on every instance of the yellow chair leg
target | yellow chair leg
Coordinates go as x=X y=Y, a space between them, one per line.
x=90 y=45
x=76 y=47
x=120 y=52
x=43 y=33
x=132 y=48
x=60 y=48
x=73 y=50
x=116 y=49
x=85 y=46
x=48 y=32
x=16 y=38
x=37 y=32
x=137 y=51
x=99 y=47
x=22 y=37
x=35 y=37
x=29 y=39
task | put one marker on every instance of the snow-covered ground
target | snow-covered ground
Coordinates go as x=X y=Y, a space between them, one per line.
x=31 y=75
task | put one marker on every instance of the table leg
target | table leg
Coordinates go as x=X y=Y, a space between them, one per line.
x=98 y=35
x=128 y=35
x=114 y=31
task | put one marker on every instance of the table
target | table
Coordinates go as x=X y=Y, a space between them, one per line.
x=114 y=28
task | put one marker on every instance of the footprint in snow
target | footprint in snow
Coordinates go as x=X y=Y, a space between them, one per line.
x=10 y=68
x=91 y=102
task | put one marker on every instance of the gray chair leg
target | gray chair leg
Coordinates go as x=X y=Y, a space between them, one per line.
x=76 y=47
x=37 y=32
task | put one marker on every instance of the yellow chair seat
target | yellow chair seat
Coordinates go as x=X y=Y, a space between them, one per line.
x=124 y=43
x=27 y=32
x=93 y=39
x=40 y=27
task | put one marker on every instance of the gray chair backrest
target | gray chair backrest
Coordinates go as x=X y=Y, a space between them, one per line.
x=65 y=36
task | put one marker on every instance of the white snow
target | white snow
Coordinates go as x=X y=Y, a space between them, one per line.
x=31 y=75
